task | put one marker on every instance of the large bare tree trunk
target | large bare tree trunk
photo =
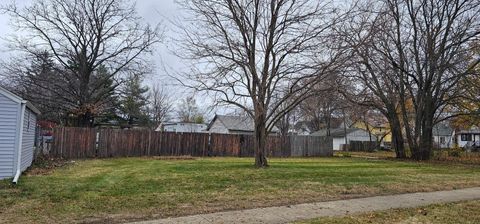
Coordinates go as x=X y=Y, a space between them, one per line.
x=260 y=141
x=425 y=146
x=397 y=138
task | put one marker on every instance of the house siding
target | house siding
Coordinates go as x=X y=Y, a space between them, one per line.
x=185 y=128
x=337 y=141
x=359 y=135
x=9 y=110
x=28 y=141
x=446 y=144
x=475 y=137
x=218 y=127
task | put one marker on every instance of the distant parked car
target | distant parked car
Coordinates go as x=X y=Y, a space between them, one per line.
x=472 y=146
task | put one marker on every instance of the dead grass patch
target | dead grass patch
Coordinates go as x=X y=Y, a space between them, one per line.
x=45 y=165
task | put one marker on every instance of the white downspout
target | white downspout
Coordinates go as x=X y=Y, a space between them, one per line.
x=20 y=142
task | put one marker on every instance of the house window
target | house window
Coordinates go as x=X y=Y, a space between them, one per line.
x=466 y=137
x=442 y=140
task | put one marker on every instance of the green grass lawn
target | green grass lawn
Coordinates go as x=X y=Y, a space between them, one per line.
x=461 y=213
x=139 y=188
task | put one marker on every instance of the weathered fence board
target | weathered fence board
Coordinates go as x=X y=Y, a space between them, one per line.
x=224 y=145
x=75 y=143
x=362 y=146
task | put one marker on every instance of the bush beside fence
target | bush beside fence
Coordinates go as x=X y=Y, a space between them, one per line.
x=78 y=143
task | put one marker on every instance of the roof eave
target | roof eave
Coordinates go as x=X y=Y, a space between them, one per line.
x=32 y=108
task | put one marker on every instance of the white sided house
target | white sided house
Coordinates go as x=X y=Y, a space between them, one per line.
x=182 y=127
x=443 y=136
x=465 y=138
x=352 y=134
x=18 y=121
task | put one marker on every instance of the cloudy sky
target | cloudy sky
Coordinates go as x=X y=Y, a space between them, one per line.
x=153 y=12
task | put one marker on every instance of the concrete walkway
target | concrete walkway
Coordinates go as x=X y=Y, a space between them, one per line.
x=287 y=214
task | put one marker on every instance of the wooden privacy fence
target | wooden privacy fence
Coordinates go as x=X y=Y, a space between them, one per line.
x=361 y=146
x=78 y=143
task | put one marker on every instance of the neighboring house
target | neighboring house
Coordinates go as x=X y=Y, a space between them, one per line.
x=222 y=124
x=353 y=134
x=308 y=127
x=302 y=128
x=377 y=125
x=18 y=121
x=183 y=127
x=465 y=137
x=442 y=136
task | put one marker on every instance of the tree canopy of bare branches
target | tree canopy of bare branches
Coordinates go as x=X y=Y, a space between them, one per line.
x=160 y=105
x=411 y=56
x=83 y=36
x=263 y=56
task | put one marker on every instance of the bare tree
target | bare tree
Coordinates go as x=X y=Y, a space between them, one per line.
x=415 y=52
x=258 y=55
x=429 y=43
x=189 y=111
x=326 y=102
x=160 y=105
x=286 y=123
x=82 y=36
x=378 y=86
x=36 y=78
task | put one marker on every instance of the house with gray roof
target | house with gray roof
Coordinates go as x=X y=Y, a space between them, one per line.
x=223 y=124
x=443 y=136
x=340 y=136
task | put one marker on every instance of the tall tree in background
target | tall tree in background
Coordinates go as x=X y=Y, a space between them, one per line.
x=36 y=78
x=50 y=87
x=188 y=111
x=263 y=56
x=134 y=101
x=429 y=44
x=468 y=105
x=378 y=86
x=160 y=105
x=82 y=36
x=414 y=52
x=325 y=103
x=108 y=97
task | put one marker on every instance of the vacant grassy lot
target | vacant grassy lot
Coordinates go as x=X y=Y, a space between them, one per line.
x=462 y=213
x=140 y=188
